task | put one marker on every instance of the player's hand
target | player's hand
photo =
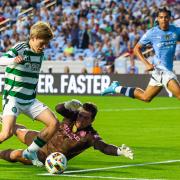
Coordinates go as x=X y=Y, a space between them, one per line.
x=73 y=105
x=126 y=151
x=18 y=59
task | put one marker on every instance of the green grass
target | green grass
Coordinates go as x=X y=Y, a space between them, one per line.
x=153 y=135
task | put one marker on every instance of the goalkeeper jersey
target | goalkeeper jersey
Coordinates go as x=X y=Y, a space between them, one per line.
x=21 y=79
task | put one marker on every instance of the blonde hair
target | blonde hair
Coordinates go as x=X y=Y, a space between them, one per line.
x=41 y=30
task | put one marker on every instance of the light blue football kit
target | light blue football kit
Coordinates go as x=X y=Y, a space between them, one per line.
x=164 y=45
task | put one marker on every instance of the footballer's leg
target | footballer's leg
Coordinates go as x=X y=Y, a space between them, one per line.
x=42 y=113
x=174 y=87
x=148 y=94
x=26 y=136
x=51 y=123
x=137 y=93
x=12 y=155
x=48 y=118
x=10 y=113
x=8 y=122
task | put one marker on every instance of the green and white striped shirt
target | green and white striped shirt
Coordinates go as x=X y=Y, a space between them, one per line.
x=21 y=79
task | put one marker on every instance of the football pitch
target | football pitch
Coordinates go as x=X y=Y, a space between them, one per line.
x=150 y=129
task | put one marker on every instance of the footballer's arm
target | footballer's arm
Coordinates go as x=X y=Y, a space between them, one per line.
x=105 y=148
x=5 y=61
x=138 y=52
x=113 y=150
x=65 y=112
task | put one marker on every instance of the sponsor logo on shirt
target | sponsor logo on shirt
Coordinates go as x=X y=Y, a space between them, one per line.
x=158 y=37
x=166 y=44
x=70 y=134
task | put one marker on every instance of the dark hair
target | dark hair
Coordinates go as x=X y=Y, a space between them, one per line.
x=90 y=107
x=164 y=9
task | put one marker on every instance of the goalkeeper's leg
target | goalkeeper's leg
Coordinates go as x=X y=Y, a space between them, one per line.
x=25 y=135
x=12 y=155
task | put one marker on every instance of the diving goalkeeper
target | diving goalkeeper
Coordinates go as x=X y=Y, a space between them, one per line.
x=74 y=135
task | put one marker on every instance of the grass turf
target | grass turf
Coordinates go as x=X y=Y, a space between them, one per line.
x=152 y=133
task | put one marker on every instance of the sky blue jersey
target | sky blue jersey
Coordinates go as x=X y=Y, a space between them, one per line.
x=164 y=45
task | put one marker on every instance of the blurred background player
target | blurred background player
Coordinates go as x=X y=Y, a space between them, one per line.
x=163 y=38
x=74 y=135
x=19 y=96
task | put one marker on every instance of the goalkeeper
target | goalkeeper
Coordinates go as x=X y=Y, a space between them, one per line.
x=74 y=135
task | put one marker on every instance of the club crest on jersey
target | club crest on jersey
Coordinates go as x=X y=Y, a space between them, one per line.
x=82 y=133
x=26 y=57
x=167 y=37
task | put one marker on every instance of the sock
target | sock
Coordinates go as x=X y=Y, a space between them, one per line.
x=36 y=144
x=119 y=153
x=127 y=91
x=118 y=89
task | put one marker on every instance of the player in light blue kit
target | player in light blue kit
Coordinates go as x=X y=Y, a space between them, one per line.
x=163 y=38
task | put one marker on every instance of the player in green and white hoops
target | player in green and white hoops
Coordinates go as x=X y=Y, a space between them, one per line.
x=19 y=95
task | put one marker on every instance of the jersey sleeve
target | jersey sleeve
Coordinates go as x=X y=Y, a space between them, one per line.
x=13 y=52
x=93 y=136
x=146 y=39
x=71 y=115
x=98 y=144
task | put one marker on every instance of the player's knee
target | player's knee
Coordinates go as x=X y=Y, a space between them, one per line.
x=54 y=124
x=15 y=154
x=5 y=135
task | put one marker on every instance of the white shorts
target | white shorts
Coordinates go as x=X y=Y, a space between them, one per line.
x=11 y=107
x=161 y=77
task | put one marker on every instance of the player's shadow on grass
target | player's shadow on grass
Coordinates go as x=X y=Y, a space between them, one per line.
x=10 y=165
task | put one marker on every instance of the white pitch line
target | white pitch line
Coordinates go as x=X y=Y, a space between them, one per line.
x=140 y=109
x=96 y=177
x=108 y=177
x=114 y=167
x=124 y=166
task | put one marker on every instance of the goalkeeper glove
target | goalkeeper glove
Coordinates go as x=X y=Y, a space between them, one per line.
x=73 y=105
x=125 y=151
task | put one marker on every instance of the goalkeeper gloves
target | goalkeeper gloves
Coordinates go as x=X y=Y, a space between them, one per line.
x=125 y=151
x=73 y=105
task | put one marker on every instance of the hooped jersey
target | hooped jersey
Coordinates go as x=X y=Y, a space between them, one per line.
x=21 y=79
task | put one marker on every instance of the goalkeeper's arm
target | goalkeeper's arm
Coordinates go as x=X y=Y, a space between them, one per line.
x=113 y=150
x=69 y=108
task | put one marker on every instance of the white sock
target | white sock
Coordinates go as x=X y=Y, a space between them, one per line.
x=118 y=89
x=33 y=147
x=119 y=153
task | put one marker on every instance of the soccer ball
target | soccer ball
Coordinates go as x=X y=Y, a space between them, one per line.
x=56 y=163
